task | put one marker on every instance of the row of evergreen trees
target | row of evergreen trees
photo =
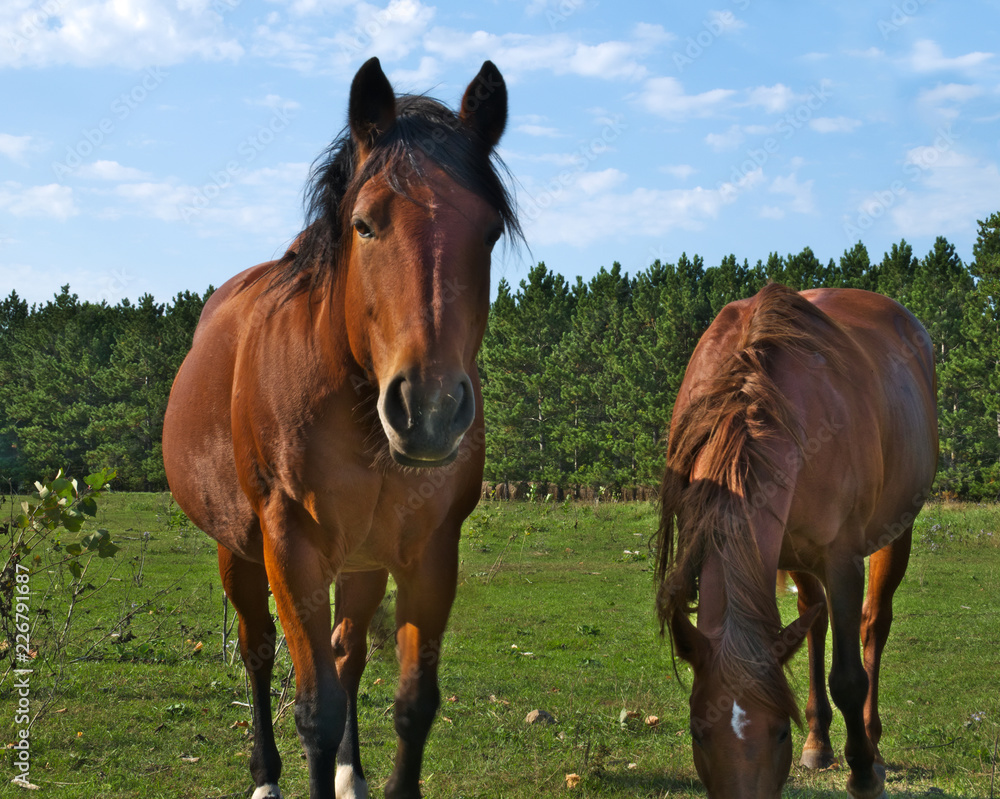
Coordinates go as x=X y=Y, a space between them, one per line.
x=85 y=385
x=578 y=379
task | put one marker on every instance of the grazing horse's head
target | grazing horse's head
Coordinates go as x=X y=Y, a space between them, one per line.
x=419 y=206
x=741 y=724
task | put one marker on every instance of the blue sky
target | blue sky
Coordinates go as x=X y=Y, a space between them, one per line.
x=156 y=146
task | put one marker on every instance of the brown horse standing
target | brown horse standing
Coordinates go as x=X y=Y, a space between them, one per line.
x=804 y=437
x=327 y=424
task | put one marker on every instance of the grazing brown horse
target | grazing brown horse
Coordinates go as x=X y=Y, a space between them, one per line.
x=327 y=425
x=804 y=437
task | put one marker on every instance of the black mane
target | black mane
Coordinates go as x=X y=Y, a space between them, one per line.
x=422 y=125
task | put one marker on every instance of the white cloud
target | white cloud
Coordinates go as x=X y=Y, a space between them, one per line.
x=947 y=191
x=125 y=33
x=927 y=56
x=539 y=130
x=773 y=99
x=652 y=34
x=294 y=47
x=834 y=124
x=275 y=102
x=558 y=53
x=607 y=60
x=289 y=176
x=665 y=97
x=729 y=140
x=53 y=201
x=680 y=171
x=304 y=8
x=592 y=206
x=15 y=148
x=395 y=29
x=943 y=99
x=111 y=170
x=871 y=52
x=414 y=80
x=801 y=194
x=592 y=183
x=724 y=21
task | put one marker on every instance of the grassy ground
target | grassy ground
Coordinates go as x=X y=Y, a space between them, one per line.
x=554 y=612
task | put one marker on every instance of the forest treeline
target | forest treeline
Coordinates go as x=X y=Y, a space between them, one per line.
x=579 y=378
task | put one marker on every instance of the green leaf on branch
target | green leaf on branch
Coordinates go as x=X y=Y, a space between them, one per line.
x=72 y=520
x=98 y=481
x=63 y=487
x=75 y=569
x=107 y=549
x=88 y=505
x=93 y=541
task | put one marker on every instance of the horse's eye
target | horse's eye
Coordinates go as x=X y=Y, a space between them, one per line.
x=363 y=229
x=494 y=236
x=783 y=735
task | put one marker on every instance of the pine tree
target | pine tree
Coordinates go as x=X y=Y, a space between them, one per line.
x=895 y=275
x=589 y=363
x=938 y=296
x=855 y=270
x=983 y=325
x=522 y=388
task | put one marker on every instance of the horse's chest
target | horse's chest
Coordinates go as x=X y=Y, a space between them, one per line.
x=382 y=521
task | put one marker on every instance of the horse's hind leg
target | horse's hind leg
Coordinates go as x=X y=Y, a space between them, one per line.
x=356 y=598
x=245 y=583
x=886 y=570
x=817 y=752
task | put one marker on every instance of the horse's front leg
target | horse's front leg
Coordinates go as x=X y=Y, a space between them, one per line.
x=356 y=599
x=423 y=602
x=817 y=752
x=848 y=679
x=300 y=576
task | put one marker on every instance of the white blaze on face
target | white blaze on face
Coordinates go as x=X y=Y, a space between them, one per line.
x=739 y=721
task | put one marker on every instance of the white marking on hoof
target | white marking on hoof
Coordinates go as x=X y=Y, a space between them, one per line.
x=739 y=721
x=267 y=791
x=349 y=785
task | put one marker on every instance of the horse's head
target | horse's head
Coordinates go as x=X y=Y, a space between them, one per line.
x=742 y=745
x=425 y=208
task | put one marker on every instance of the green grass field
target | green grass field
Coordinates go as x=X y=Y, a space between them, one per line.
x=554 y=612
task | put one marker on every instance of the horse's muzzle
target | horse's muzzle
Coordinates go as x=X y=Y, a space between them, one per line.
x=425 y=419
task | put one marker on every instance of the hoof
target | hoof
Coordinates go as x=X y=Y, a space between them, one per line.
x=817 y=758
x=268 y=791
x=875 y=789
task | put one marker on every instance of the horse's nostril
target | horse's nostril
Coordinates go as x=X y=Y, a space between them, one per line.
x=395 y=406
x=465 y=405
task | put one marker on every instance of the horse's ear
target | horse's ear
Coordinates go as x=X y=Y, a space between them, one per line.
x=371 y=110
x=484 y=105
x=691 y=643
x=791 y=638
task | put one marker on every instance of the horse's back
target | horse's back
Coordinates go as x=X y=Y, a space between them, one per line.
x=901 y=389
x=197 y=428
x=901 y=353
